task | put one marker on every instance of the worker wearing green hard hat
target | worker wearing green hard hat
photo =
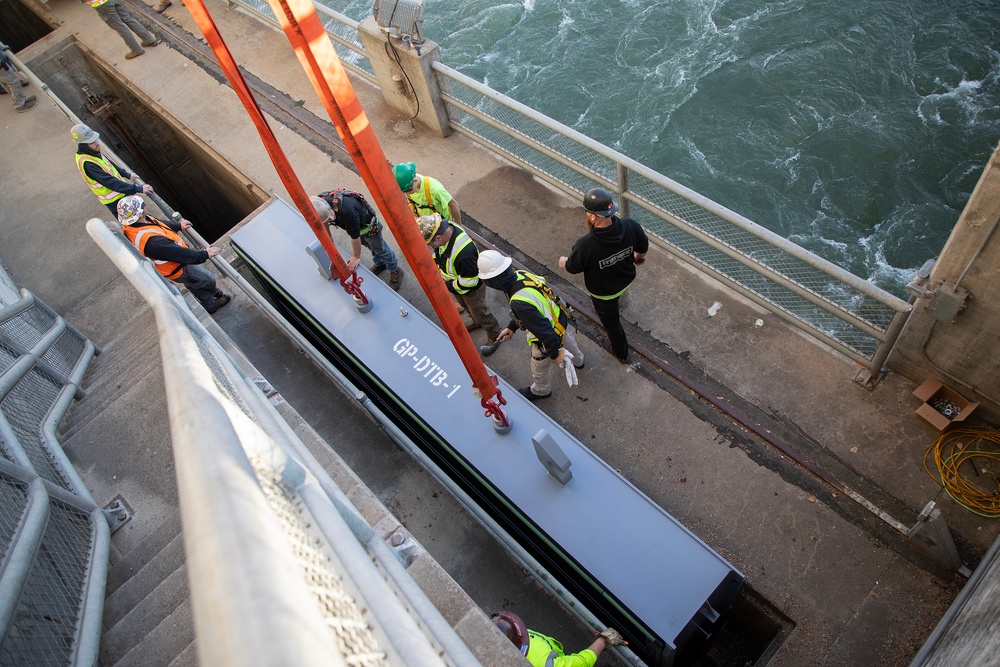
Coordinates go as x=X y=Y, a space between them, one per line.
x=424 y=194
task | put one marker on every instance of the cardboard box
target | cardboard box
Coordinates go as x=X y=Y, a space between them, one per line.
x=933 y=391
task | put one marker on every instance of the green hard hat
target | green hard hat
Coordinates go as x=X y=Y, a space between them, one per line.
x=404 y=172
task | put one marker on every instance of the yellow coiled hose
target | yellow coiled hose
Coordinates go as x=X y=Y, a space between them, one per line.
x=950 y=451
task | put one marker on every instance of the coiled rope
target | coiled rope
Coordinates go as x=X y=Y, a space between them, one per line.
x=975 y=445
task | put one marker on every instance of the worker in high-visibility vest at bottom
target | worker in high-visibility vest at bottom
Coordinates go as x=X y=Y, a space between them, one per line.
x=161 y=243
x=543 y=651
x=108 y=183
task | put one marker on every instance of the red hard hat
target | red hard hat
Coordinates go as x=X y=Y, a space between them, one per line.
x=513 y=627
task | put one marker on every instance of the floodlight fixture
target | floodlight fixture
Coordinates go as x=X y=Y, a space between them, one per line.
x=402 y=19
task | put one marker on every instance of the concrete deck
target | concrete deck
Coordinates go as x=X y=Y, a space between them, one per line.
x=850 y=587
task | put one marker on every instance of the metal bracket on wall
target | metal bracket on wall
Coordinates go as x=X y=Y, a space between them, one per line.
x=947 y=302
x=931 y=534
x=118 y=512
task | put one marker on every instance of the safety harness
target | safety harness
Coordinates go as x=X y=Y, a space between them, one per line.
x=541 y=296
x=417 y=207
x=334 y=197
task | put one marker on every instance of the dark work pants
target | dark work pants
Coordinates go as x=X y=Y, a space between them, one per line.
x=608 y=311
x=200 y=282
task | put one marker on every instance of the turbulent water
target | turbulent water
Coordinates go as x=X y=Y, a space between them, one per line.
x=856 y=129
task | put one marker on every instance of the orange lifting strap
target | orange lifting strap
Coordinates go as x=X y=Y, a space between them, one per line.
x=348 y=279
x=319 y=60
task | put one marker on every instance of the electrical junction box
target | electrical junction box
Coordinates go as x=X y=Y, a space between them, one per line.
x=947 y=302
x=943 y=407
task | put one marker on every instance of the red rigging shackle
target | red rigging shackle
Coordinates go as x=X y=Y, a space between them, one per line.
x=281 y=163
x=323 y=67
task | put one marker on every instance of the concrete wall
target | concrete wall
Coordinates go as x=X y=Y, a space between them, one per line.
x=408 y=84
x=953 y=331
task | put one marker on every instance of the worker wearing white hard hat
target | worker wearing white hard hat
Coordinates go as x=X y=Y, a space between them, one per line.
x=107 y=181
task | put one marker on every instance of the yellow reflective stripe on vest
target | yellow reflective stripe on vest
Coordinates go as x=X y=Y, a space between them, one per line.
x=105 y=194
x=462 y=284
x=96 y=3
x=546 y=307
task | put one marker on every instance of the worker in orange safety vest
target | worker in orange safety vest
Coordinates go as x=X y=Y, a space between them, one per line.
x=161 y=243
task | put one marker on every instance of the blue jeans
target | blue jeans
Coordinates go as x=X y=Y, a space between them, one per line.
x=382 y=254
x=199 y=282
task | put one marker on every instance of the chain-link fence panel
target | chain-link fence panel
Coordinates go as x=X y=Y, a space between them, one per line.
x=755 y=263
x=25 y=408
x=44 y=628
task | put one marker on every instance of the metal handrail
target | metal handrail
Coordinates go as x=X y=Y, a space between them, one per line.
x=215 y=500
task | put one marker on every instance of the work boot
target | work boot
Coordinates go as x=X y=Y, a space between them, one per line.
x=396 y=279
x=219 y=294
x=159 y=9
x=531 y=396
x=133 y=54
x=378 y=268
x=219 y=303
x=471 y=326
x=150 y=45
x=28 y=104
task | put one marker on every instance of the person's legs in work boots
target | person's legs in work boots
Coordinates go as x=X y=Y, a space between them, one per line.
x=609 y=313
x=118 y=18
x=541 y=375
x=475 y=302
x=383 y=256
x=201 y=283
x=11 y=81
x=569 y=342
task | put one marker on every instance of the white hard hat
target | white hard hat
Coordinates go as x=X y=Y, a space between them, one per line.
x=492 y=264
x=322 y=207
x=83 y=134
x=131 y=210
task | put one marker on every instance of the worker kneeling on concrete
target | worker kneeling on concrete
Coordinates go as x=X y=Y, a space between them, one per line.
x=536 y=309
x=542 y=651
x=161 y=242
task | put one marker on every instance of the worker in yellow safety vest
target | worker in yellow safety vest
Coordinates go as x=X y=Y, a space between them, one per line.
x=535 y=308
x=106 y=181
x=161 y=243
x=426 y=195
x=543 y=651
x=456 y=256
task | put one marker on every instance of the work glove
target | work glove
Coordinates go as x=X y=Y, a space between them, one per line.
x=611 y=637
x=571 y=378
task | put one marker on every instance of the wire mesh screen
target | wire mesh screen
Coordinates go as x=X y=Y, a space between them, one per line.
x=43 y=630
x=8 y=356
x=354 y=639
x=28 y=327
x=65 y=353
x=25 y=408
x=13 y=503
x=533 y=143
x=8 y=290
